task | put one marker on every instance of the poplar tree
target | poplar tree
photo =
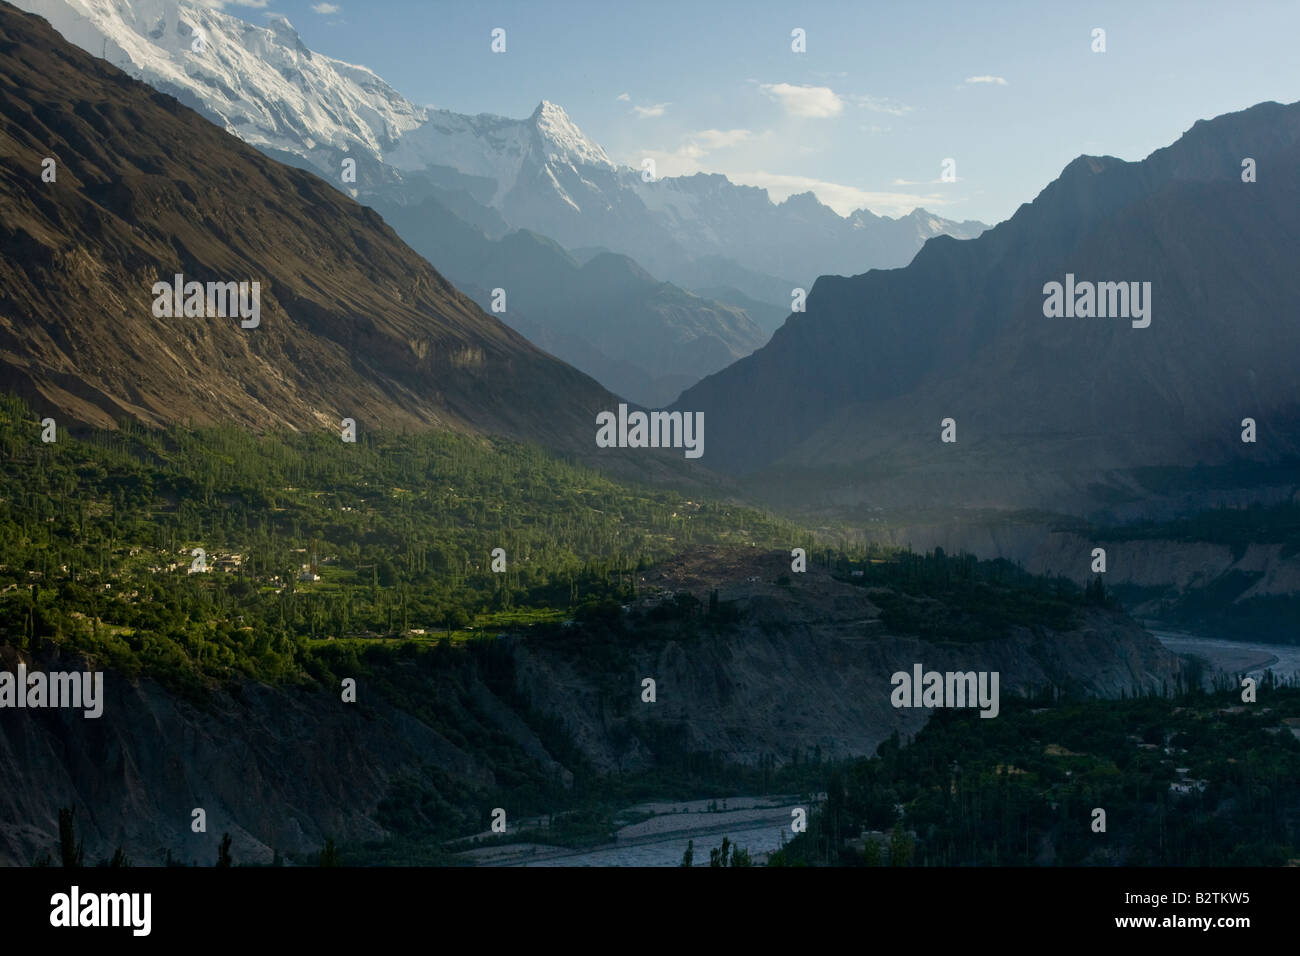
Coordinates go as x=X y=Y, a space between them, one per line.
x=223 y=852
x=70 y=849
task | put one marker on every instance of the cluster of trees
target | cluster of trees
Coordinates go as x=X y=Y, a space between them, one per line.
x=1189 y=780
x=1238 y=528
x=961 y=598
x=1223 y=607
x=728 y=854
x=72 y=854
x=97 y=535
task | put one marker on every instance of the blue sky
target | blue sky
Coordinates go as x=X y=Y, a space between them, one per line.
x=885 y=92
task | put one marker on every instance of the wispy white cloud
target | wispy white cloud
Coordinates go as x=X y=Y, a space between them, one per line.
x=222 y=4
x=325 y=8
x=882 y=105
x=712 y=139
x=995 y=80
x=731 y=152
x=810 y=102
x=646 y=112
x=682 y=161
x=685 y=159
x=623 y=97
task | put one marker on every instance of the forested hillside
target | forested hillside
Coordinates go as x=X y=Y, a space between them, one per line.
x=307 y=537
x=1193 y=780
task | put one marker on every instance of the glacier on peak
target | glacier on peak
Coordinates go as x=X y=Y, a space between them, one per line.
x=261 y=82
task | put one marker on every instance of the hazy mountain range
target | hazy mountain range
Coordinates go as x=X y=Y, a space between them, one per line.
x=540 y=173
x=642 y=338
x=496 y=174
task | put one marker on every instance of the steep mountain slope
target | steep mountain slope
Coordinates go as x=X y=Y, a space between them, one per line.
x=352 y=322
x=1050 y=411
x=643 y=339
x=767 y=317
x=541 y=173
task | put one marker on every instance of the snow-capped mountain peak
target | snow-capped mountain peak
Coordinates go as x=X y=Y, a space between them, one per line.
x=261 y=82
x=563 y=140
x=499 y=148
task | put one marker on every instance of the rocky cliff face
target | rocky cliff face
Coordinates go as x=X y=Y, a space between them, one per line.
x=1155 y=575
x=279 y=769
x=806 y=664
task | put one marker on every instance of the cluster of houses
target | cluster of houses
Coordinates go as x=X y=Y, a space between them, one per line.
x=213 y=561
x=230 y=563
x=1184 y=783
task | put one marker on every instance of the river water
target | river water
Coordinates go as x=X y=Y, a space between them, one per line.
x=758 y=824
x=1236 y=657
x=641 y=845
x=757 y=840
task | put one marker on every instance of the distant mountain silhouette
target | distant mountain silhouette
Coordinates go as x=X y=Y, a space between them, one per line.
x=643 y=339
x=845 y=402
